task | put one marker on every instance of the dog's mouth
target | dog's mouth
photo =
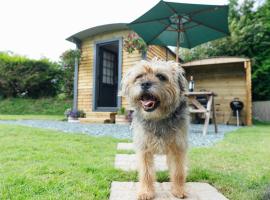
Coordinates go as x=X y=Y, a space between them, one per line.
x=149 y=102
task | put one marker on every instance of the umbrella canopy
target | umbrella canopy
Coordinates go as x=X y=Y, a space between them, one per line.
x=181 y=24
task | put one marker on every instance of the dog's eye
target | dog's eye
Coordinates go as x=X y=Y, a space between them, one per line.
x=139 y=76
x=161 y=77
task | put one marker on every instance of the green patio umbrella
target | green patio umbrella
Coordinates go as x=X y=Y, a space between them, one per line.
x=181 y=24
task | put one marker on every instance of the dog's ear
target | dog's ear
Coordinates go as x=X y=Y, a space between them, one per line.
x=124 y=88
x=124 y=85
x=180 y=75
x=182 y=81
x=128 y=77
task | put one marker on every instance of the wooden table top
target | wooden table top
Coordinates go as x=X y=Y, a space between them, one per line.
x=200 y=93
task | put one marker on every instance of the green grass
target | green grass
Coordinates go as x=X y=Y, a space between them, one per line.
x=39 y=117
x=45 y=106
x=45 y=164
x=239 y=166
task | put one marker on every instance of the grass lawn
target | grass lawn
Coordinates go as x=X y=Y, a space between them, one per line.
x=43 y=106
x=39 y=117
x=23 y=108
x=45 y=164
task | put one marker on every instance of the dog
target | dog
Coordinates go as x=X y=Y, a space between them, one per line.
x=155 y=91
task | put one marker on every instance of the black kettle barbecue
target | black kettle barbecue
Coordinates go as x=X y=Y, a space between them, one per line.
x=236 y=106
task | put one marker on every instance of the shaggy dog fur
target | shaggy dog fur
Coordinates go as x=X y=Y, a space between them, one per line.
x=155 y=90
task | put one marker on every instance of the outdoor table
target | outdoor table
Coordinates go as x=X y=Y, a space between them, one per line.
x=199 y=108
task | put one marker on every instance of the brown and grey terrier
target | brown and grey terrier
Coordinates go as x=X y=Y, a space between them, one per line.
x=155 y=90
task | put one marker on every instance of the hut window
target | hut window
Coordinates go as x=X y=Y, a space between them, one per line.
x=108 y=67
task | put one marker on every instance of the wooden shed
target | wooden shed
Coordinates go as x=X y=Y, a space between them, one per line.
x=99 y=70
x=229 y=78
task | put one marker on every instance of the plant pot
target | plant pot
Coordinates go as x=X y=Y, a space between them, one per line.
x=73 y=120
x=121 y=119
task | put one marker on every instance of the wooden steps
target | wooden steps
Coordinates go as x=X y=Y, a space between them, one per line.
x=96 y=117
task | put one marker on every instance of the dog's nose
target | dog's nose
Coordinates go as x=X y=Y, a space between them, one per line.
x=146 y=85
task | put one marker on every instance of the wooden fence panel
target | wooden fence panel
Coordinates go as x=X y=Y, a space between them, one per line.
x=261 y=110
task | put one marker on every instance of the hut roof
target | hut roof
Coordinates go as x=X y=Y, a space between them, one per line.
x=96 y=30
x=78 y=37
x=215 y=60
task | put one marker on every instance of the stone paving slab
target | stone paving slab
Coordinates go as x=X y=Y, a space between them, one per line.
x=128 y=162
x=195 y=191
x=125 y=146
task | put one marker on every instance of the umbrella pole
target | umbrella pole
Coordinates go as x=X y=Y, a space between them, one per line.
x=177 y=47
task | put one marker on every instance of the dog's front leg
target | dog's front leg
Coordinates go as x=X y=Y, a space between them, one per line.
x=176 y=161
x=146 y=175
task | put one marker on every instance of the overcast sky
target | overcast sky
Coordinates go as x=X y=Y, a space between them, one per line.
x=38 y=28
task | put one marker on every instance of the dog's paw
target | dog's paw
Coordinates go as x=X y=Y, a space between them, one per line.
x=145 y=195
x=179 y=193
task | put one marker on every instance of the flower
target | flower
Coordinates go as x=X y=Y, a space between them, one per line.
x=74 y=114
x=134 y=42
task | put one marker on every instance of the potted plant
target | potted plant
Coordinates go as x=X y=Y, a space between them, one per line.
x=134 y=42
x=73 y=116
x=121 y=116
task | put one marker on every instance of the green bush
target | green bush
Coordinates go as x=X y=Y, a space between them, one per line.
x=23 y=77
x=121 y=111
x=261 y=80
x=67 y=63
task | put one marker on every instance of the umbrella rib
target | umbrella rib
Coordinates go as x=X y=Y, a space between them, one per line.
x=158 y=34
x=172 y=29
x=151 y=20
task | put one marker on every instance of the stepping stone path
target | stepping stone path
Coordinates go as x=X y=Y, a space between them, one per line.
x=128 y=190
x=195 y=191
x=128 y=162
x=125 y=146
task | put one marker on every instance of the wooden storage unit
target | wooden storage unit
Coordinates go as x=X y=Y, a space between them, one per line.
x=229 y=78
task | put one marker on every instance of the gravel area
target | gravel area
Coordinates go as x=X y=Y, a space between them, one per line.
x=122 y=131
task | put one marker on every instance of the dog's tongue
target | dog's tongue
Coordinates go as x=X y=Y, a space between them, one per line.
x=148 y=104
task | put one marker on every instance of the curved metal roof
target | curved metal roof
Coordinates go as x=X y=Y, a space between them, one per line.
x=77 y=37
x=215 y=60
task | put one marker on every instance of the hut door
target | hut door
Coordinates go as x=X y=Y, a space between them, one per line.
x=107 y=80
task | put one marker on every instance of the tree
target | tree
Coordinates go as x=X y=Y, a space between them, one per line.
x=67 y=63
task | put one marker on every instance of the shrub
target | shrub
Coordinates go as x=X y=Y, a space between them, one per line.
x=61 y=96
x=23 y=77
x=67 y=63
x=121 y=111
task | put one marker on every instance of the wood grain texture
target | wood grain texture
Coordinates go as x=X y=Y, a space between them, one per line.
x=227 y=81
x=248 y=93
x=159 y=52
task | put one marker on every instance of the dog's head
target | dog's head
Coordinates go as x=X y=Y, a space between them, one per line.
x=154 y=88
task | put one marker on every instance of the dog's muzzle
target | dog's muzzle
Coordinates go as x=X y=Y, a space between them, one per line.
x=149 y=102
